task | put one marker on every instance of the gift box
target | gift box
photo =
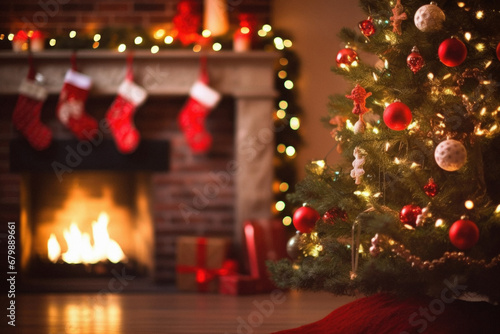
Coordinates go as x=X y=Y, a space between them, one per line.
x=200 y=263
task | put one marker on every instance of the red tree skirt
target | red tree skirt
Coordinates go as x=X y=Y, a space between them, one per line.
x=385 y=313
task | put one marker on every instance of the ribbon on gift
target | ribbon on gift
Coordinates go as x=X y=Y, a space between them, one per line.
x=204 y=275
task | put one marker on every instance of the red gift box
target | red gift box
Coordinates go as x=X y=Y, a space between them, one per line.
x=265 y=240
x=200 y=263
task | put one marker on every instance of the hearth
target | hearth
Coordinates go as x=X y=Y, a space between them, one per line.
x=148 y=204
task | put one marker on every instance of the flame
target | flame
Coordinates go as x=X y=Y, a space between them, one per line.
x=80 y=249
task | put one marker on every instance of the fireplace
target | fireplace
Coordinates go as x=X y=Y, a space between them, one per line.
x=147 y=204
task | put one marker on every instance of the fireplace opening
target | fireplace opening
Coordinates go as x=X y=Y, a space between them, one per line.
x=92 y=224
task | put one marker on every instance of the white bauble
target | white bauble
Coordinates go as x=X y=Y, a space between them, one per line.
x=429 y=18
x=450 y=155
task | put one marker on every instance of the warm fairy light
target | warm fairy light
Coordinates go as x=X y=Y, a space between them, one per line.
x=397 y=161
x=294 y=123
x=488 y=63
x=283 y=104
x=197 y=48
x=479 y=14
x=375 y=77
x=467 y=36
x=480 y=47
x=288 y=84
x=278 y=43
x=267 y=28
x=217 y=47
x=138 y=40
x=387 y=146
x=287 y=220
x=281 y=148
x=446 y=76
x=493 y=127
x=245 y=30
x=281 y=114
x=95 y=45
x=483 y=111
x=10 y=37
x=290 y=151
x=440 y=116
x=287 y=43
x=412 y=125
x=284 y=187
x=430 y=76
x=206 y=33
x=283 y=61
x=414 y=165
x=344 y=67
x=122 y=48
x=168 y=39
x=52 y=42
x=348 y=125
x=362 y=193
x=262 y=33
x=439 y=223
x=30 y=33
x=497 y=210
x=375 y=131
x=469 y=205
x=158 y=34
x=386 y=63
x=97 y=37
x=319 y=163
x=282 y=74
x=155 y=49
x=461 y=4
x=72 y=34
x=280 y=205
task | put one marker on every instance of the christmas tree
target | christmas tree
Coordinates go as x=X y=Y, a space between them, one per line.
x=415 y=204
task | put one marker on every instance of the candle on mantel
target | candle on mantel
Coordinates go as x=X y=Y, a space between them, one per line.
x=242 y=40
x=215 y=17
x=20 y=41
x=37 y=42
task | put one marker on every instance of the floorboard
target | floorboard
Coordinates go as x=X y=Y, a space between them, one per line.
x=153 y=313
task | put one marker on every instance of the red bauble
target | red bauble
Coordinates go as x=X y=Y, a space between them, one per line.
x=431 y=188
x=305 y=218
x=346 y=57
x=367 y=27
x=409 y=213
x=498 y=51
x=415 y=60
x=452 y=52
x=397 y=116
x=333 y=214
x=464 y=234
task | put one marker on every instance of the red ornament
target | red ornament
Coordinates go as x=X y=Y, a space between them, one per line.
x=464 y=234
x=409 y=213
x=333 y=214
x=498 y=51
x=431 y=188
x=452 y=52
x=397 y=116
x=367 y=27
x=346 y=57
x=415 y=60
x=305 y=218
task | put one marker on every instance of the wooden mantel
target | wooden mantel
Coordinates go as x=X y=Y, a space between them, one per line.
x=247 y=77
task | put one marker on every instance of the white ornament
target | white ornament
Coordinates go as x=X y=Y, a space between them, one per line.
x=429 y=18
x=420 y=218
x=359 y=126
x=357 y=172
x=450 y=155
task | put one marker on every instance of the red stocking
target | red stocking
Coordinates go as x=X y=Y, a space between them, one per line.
x=71 y=105
x=202 y=99
x=26 y=116
x=120 y=114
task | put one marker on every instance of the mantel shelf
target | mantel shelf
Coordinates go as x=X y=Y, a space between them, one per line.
x=168 y=73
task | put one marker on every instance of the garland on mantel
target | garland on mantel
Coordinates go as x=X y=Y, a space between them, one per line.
x=287 y=112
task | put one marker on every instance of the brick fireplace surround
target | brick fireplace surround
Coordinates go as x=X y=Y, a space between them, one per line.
x=243 y=147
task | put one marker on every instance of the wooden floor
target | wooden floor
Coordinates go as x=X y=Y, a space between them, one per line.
x=145 y=313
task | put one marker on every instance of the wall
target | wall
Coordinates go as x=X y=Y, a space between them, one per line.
x=314 y=26
x=63 y=15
